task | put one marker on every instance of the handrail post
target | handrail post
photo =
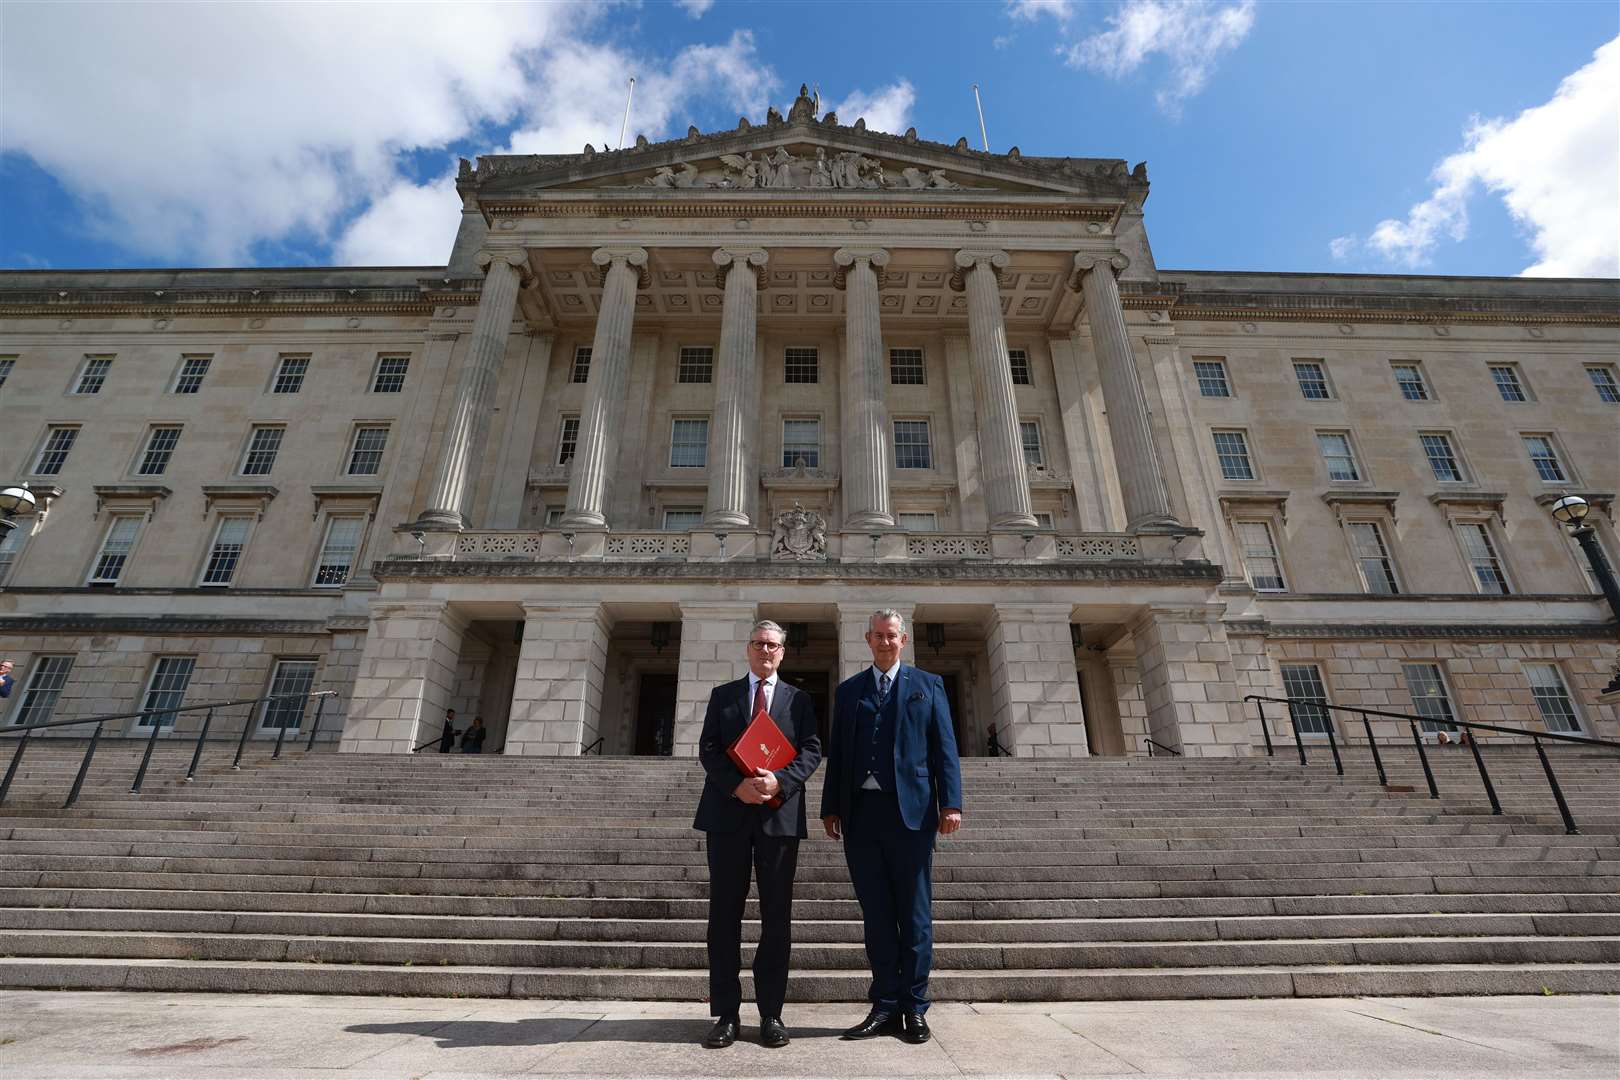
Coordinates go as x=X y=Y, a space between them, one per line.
x=1428 y=773
x=196 y=755
x=1373 y=745
x=1333 y=743
x=146 y=758
x=16 y=760
x=247 y=726
x=314 y=728
x=84 y=768
x=1558 y=792
x=1490 y=789
x=1265 y=728
x=1294 y=722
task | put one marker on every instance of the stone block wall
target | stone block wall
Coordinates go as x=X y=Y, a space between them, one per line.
x=561 y=673
x=1034 y=688
x=1189 y=683
x=713 y=651
x=405 y=678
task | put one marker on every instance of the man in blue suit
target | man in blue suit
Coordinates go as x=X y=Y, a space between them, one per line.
x=893 y=780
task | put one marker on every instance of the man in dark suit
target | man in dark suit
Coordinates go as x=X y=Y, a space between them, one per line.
x=893 y=780
x=745 y=833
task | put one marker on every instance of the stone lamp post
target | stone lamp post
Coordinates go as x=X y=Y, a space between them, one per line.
x=1570 y=512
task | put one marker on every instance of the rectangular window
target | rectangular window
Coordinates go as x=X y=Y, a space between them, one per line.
x=365 y=459
x=1481 y=555
x=912 y=448
x=94 y=375
x=290 y=375
x=1506 y=378
x=1442 y=459
x=1260 y=559
x=11 y=545
x=1409 y=377
x=44 y=687
x=115 y=548
x=696 y=365
x=1373 y=563
x=682 y=518
x=567 y=440
x=1337 y=455
x=1232 y=451
x=1552 y=697
x=1018 y=361
x=928 y=522
x=581 y=372
x=1429 y=697
x=906 y=367
x=263 y=445
x=6 y=364
x=1305 y=681
x=338 y=551
x=171 y=675
x=160 y=446
x=554 y=516
x=390 y=377
x=1604 y=383
x=1544 y=456
x=1043 y=520
x=801 y=365
x=801 y=444
x=54 y=454
x=226 y=552
x=193 y=370
x=689 y=443
x=1029 y=433
x=1313 y=384
x=291 y=684
x=1212 y=378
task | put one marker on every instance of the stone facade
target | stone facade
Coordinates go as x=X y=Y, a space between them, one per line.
x=800 y=371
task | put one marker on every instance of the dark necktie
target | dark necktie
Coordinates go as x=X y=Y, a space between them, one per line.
x=759 y=697
x=883 y=687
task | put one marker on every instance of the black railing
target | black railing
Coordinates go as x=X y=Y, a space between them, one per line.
x=996 y=749
x=161 y=718
x=595 y=747
x=1444 y=726
x=1172 y=751
x=437 y=740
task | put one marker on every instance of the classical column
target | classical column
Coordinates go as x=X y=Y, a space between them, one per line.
x=733 y=464
x=1140 y=478
x=468 y=429
x=1005 y=481
x=624 y=270
x=866 y=436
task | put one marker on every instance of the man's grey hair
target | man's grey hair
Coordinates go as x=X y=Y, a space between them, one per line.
x=775 y=628
x=886 y=615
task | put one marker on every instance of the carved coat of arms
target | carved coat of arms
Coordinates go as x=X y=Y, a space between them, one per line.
x=800 y=535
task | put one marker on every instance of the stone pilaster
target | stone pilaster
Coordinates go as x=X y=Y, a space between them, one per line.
x=1034 y=689
x=1147 y=502
x=1005 y=480
x=624 y=270
x=866 y=415
x=853 y=653
x=733 y=461
x=1189 y=682
x=405 y=679
x=714 y=650
x=561 y=671
x=467 y=431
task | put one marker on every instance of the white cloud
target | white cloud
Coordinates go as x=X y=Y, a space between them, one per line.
x=1030 y=10
x=1342 y=247
x=885 y=109
x=695 y=8
x=1192 y=35
x=1556 y=167
x=1001 y=41
x=407 y=225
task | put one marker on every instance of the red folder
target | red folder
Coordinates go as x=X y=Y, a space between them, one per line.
x=762 y=746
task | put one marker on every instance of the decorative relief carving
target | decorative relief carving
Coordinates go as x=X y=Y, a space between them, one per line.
x=799 y=535
x=780 y=168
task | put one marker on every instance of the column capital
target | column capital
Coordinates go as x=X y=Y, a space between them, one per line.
x=516 y=258
x=968 y=258
x=726 y=258
x=1087 y=260
x=633 y=257
x=846 y=257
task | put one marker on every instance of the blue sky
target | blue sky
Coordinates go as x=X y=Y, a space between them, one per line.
x=1449 y=138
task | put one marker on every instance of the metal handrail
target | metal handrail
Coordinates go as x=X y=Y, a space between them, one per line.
x=1412 y=721
x=597 y=746
x=439 y=738
x=25 y=732
x=1151 y=743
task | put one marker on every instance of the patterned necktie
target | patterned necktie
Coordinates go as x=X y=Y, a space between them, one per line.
x=883 y=687
x=759 y=697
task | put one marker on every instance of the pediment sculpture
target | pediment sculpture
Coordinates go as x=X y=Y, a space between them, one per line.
x=780 y=168
x=800 y=535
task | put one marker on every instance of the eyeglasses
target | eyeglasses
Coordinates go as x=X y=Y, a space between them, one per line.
x=766 y=646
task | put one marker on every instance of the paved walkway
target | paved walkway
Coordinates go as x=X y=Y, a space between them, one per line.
x=95 y=1035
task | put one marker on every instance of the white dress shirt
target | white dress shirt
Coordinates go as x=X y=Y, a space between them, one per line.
x=753 y=691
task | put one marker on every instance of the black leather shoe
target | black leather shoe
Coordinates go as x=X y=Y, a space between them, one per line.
x=877 y=1022
x=772 y=1032
x=722 y=1035
x=916 y=1028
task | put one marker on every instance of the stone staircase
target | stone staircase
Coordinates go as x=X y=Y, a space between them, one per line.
x=581 y=878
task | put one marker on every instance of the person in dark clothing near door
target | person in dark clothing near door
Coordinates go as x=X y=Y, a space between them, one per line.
x=472 y=740
x=447 y=737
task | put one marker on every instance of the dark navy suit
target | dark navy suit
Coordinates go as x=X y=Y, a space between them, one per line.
x=908 y=744
x=757 y=839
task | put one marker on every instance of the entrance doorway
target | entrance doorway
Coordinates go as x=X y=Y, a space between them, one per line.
x=818 y=684
x=655 y=714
